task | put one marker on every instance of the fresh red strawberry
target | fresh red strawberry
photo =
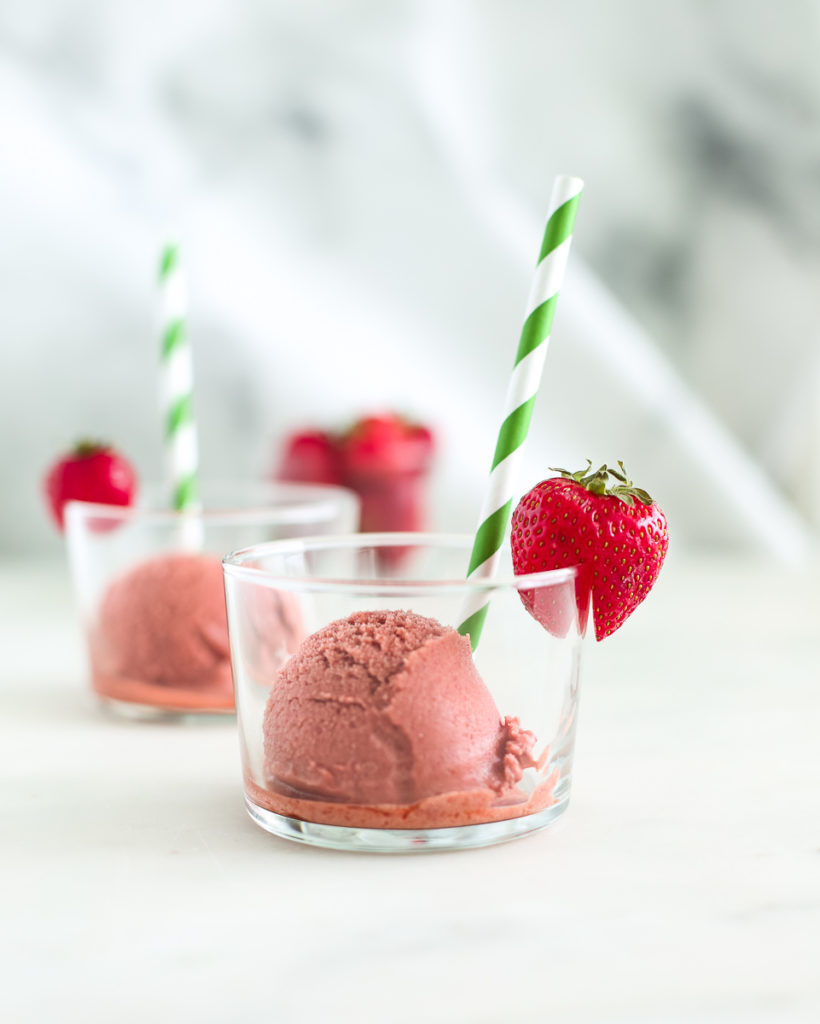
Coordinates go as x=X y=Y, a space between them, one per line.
x=310 y=457
x=90 y=472
x=616 y=535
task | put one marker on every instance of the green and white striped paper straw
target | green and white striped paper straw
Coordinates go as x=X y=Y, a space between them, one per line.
x=523 y=387
x=177 y=384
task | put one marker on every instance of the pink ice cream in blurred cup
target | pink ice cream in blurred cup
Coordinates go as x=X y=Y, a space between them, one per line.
x=164 y=624
x=161 y=635
x=150 y=590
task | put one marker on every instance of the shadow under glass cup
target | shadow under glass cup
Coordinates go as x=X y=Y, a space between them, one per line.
x=374 y=727
x=150 y=588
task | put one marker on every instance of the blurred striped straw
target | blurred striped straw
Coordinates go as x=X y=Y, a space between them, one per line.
x=521 y=393
x=176 y=384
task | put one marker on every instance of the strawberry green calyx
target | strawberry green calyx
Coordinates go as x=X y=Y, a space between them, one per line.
x=86 y=447
x=597 y=481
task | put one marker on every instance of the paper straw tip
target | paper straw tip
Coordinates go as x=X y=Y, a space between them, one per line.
x=569 y=183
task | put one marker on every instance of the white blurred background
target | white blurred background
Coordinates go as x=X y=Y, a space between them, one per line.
x=360 y=191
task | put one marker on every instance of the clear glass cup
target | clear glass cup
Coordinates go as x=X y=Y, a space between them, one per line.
x=149 y=585
x=371 y=725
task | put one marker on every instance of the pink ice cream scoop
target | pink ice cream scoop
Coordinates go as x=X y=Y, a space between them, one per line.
x=164 y=622
x=161 y=636
x=386 y=707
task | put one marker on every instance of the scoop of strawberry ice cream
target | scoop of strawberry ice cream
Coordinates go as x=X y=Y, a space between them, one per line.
x=386 y=707
x=164 y=622
x=161 y=635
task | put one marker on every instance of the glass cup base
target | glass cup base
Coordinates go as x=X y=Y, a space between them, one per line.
x=380 y=840
x=129 y=711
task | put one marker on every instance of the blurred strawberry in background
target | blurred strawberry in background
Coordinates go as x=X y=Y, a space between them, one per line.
x=310 y=457
x=91 y=471
x=384 y=458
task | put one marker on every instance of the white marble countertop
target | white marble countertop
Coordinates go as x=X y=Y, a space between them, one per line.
x=682 y=885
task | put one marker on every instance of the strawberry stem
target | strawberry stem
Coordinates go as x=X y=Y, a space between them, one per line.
x=597 y=482
x=86 y=447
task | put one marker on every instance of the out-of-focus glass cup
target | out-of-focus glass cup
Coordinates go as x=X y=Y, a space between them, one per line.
x=150 y=589
x=376 y=728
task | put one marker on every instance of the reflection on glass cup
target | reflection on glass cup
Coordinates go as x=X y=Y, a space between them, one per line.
x=375 y=727
x=150 y=588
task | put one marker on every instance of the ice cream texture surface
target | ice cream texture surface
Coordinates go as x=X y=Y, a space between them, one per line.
x=387 y=707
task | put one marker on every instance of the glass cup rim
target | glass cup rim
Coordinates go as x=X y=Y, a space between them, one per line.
x=301 y=503
x=233 y=565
